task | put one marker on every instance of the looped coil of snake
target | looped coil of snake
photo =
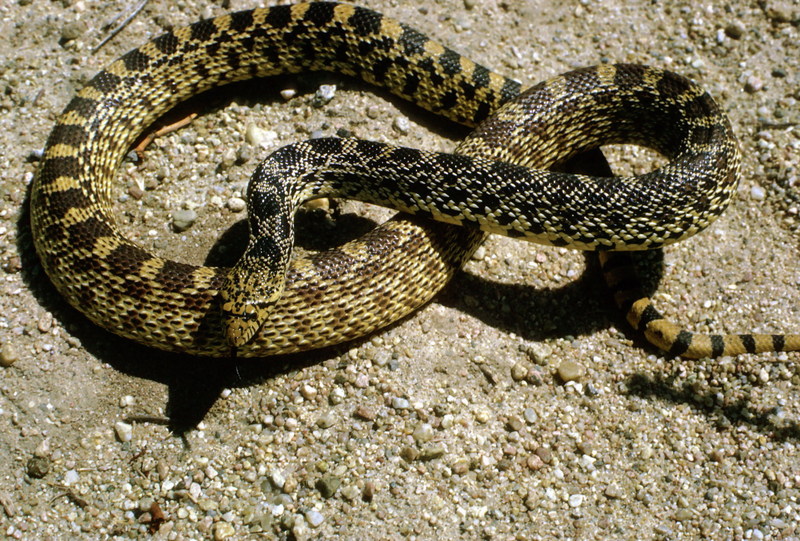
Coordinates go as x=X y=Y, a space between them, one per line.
x=498 y=180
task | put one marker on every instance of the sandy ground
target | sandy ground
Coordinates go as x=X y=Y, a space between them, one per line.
x=453 y=423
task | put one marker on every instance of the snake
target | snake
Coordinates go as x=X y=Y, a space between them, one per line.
x=350 y=291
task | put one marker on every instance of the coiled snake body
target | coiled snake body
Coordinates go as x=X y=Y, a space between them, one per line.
x=349 y=291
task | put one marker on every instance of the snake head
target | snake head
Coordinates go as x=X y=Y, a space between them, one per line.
x=246 y=296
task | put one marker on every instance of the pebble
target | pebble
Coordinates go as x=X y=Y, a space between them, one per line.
x=402 y=125
x=288 y=93
x=753 y=84
x=757 y=193
x=364 y=412
x=519 y=371
x=8 y=355
x=570 y=371
x=124 y=431
x=735 y=29
x=236 y=204
x=530 y=415
x=400 y=403
x=314 y=518
x=38 y=467
x=576 y=500
x=260 y=137
x=423 y=433
x=223 y=530
x=183 y=219
x=71 y=477
x=328 y=485
x=72 y=30
x=326 y=420
x=323 y=95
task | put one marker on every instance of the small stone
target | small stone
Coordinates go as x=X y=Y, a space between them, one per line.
x=309 y=392
x=314 y=518
x=369 y=491
x=38 y=467
x=350 y=492
x=576 y=500
x=288 y=93
x=71 y=477
x=236 y=204
x=613 y=492
x=126 y=401
x=223 y=530
x=365 y=413
x=570 y=371
x=402 y=125
x=8 y=355
x=373 y=112
x=469 y=4
x=183 y=219
x=519 y=371
x=400 y=403
x=753 y=84
x=260 y=137
x=460 y=466
x=757 y=193
x=423 y=433
x=534 y=463
x=530 y=415
x=124 y=431
x=431 y=452
x=683 y=514
x=328 y=485
x=323 y=95
x=515 y=424
x=326 y=420
x=72 y=30
x=537 y=352
x=409 y=454
x=735 y=29
x=545 y=454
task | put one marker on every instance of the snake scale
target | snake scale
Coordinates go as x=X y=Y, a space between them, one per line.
x=349 y=291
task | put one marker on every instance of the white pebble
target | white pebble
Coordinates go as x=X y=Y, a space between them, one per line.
x=260 y=137
x=576 y=500
x=757 y=193
x=401 y=124
x=288 y=93
x=399 y=403
x=124 y=431
x=236 y=204
x=314 y=518
x=71 y=477
x=126 y=401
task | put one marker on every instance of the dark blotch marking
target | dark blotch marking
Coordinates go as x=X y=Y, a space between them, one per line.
x=136 y=60
x=748 y=342
x=126 y=259
x=173 y=275
x=320 y=13
x=67 y=134
x=449 y=100
x=412 y=42
x=682 y=343
x=268 y=249
x=649 y=314
x=717 y=345
x=450 y=62
x=778 y=342
x=203 y=30
x=411 y=84
x=85 y=107
x=509 y=90
x=241 y=20
x=365 y=21
x=166 y=43
x=105 y=82
x=279 y=16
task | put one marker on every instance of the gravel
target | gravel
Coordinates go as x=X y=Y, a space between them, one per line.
x=458 y=421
